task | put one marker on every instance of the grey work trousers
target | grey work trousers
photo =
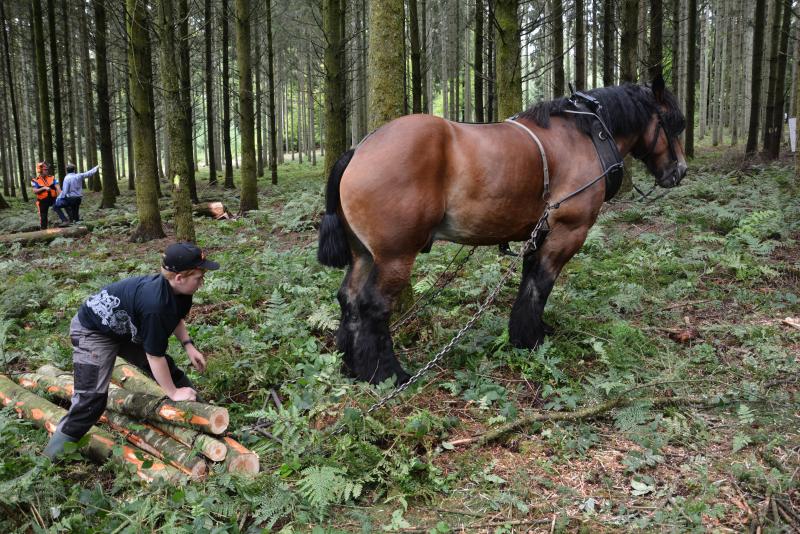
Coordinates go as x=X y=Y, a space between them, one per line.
x=93 y=358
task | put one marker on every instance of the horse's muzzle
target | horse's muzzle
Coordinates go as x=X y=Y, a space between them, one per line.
x=672 y=177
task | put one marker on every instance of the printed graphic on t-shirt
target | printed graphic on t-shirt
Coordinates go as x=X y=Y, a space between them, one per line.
x=105 y=307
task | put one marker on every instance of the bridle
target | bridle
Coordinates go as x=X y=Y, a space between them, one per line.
x=649 y=153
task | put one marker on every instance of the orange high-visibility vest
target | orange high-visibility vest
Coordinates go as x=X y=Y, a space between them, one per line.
x=45 y=181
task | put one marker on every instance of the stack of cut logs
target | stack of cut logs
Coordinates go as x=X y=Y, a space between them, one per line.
x=168 y=440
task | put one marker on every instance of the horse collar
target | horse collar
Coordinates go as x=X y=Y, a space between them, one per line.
x=603 y=141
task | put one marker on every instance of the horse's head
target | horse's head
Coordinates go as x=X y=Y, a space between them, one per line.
x=659 y=147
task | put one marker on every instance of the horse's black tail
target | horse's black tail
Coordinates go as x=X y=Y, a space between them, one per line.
x=333 y=250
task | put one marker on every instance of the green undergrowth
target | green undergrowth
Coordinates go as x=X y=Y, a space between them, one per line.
x=680 y=297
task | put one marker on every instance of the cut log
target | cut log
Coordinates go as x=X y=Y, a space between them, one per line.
x=41 y=236
x=210 y=447
x=46 y=415
x=216 y=210
x=196 y=415
x=157 y=443
x=131 y=378
x=240 y=459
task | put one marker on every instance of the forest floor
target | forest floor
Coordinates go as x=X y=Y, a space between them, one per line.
x=682 y=297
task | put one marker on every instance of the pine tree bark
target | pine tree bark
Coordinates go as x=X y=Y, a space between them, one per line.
x=43 y=236
x=88 y=101
x=186 y=97
x=177 y=123
x=608 y=42
x=335 y=80
x=140 y=79
x=755 y=84
x=14 y=112
x=776 y=121
x=385 y=59
x=249 y=199
x=509 y=75
x=580 y=46
x=655 y=66
x=273 y=156
x=196 y=415
x=46 y=133
x=258 y=92
x=103 y=107
x=226 y=100
x=416 y=55
x=688 y=144
x=70 y=88
x=558 y=48
x=55 y=79
x=627 y=68
x=100 y=447
x=162 y=446
x=210 y=447
x=479 y=74
x=209 y=72
x=676 y=49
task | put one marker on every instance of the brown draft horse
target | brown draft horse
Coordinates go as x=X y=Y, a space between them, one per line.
x=420 y=178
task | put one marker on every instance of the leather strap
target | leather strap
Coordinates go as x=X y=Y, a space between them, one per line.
x=545 y=170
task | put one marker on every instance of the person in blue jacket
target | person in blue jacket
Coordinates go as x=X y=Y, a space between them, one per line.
x=72 y=191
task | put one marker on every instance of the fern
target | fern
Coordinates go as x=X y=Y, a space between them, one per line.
x=323 y=486
x=632 y=416
x=323 y=318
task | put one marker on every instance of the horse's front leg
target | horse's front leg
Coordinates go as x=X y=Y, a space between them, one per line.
x=526 y=328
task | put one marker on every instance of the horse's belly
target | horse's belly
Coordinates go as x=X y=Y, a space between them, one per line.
x=488 y=228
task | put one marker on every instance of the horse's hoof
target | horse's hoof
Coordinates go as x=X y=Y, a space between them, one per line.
x=547 y=329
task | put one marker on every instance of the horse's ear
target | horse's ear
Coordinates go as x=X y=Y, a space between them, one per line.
x=658 y=87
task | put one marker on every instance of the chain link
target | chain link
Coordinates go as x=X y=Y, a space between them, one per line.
x=434 y=289
x=530 y=245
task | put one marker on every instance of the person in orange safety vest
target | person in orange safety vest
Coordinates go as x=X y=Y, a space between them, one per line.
x=46 y=188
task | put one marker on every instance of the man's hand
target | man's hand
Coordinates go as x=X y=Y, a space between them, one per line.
x=184 y=394
x=196 y=357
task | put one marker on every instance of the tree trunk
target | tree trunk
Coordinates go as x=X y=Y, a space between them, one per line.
x=628 y=41
x=273 y=156
x=676 y=48
x=704 y=73
x=558 y=48
x=479 y=74
x=771 y=96
x=186 y=97
x=416 y=54
x=45 y=415
x=103 y=107
x=509 y=84
x=20 y=162
x=152 y=440
x=688 y=145
x=88 y=104
x=608 y=42
x=258 y=92
x=70 y=89
x=335 y=80
x=190 y=414
x=249 y=199
x=209 y=72
x=177 y=123
x=655 y=66
x=43 y=236
x=210 y=447
x=140 y=79
x=385 y=63
x=56 y=81
x=46 y=132
x=774 y=146
x=226 y=100
x=580 y=46
x=755 y=84
x=240 y=459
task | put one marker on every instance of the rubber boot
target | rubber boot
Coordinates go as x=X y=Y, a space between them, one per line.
x=56 y=444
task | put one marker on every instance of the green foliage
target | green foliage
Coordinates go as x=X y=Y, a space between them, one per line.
x=323 y=486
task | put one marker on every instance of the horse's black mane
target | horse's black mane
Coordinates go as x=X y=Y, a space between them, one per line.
x=626 y=109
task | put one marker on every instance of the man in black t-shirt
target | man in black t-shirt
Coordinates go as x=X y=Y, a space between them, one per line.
x=133 y=318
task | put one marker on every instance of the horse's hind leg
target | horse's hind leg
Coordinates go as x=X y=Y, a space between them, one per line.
x=349 y=324
x=371 y=354
x=540 y=269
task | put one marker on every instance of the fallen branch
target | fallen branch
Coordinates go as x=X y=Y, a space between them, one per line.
x=589 y=412
x=41 y=236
